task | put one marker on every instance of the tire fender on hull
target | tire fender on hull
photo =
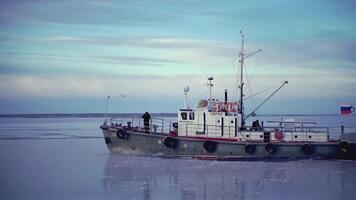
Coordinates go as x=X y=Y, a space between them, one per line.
x=122 y=134
x=307 y=149
x=210 y=146
x=170 y=142
x=250 y=148
x=271 y=148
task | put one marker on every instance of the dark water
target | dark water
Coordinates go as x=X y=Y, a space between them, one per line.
x=66 y=158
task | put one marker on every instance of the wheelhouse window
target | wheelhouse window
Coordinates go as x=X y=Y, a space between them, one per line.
x=191 y=116
x=183 y=115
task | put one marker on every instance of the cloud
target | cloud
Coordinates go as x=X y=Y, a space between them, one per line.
x=165 y=93
x=133 y=60
x=130 y=13
x=142 y=41
x=307 y=85
x=316 y=53
x=115 y=60
x=178 y=50
x=164 y=52
x=79 y=86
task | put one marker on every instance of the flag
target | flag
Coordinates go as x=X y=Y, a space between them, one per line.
x=347 y=109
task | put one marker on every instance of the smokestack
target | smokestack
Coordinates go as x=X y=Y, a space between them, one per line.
x=225 y=96
x=225 y=104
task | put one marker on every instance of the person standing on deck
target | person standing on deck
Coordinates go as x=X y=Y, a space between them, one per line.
x=146 y=121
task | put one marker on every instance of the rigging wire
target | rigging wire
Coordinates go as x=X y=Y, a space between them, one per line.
x=249 y=85
x=236 y=88
x=249 y=76
x=205 y=68
x=252 y=44
x=263 y=91
x=255 y=66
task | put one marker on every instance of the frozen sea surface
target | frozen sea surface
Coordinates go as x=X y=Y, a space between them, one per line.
x=62 y=158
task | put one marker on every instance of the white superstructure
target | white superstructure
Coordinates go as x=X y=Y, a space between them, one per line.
x=202 y=122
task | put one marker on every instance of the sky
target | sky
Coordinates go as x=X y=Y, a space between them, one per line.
x=68 y=56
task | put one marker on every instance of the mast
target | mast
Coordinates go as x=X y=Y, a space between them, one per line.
x=242 y=60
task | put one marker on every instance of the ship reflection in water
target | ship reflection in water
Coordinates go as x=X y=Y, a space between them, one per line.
x=130 y=177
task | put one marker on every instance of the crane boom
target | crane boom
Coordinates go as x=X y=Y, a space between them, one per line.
x=283 y=84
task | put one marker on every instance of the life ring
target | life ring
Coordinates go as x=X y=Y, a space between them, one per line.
x=173 y=133
x=271 y=148
x=170 y=142
x=250 y=148
x=210 y=146
x=307 y=149
x=175 y=124
x=278 y=135
x=122 y=134
x=344 y=147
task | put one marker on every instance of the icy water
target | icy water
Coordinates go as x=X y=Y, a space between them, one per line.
x=66 y=158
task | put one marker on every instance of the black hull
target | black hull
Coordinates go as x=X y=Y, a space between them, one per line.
x=137 y=143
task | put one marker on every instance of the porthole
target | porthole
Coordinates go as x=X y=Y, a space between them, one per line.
x=296 y=136
x=310 y=136
x=261 y=136
x=247 y=135
x=232 y=122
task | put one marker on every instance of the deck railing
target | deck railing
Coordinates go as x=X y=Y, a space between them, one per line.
x=162 y=126
x=233 y=132
x=156 y=125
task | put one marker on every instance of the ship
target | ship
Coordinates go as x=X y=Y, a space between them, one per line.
x=217 y=130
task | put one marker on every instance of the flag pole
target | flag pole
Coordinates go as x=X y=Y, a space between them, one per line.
x=341 y=121
x=342 y=124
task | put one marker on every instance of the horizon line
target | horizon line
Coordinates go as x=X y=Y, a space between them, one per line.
x=98 y=115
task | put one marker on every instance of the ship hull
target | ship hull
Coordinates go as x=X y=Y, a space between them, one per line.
x=137 y=143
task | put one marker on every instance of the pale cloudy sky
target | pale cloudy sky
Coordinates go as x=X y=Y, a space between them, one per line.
x=67 y=56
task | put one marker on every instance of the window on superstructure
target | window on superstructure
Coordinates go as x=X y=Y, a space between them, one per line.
x=191 y=116
x=183 y=115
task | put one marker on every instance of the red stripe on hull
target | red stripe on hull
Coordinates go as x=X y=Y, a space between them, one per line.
x=212 y=139
x=254 y=141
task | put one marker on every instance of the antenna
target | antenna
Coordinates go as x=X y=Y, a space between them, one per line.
x=186 y=90
x=106 y=110
x=107 y=105
x=210 y=87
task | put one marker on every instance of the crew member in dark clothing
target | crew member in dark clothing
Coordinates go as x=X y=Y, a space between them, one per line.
x=256 y=125
x=146 y=121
